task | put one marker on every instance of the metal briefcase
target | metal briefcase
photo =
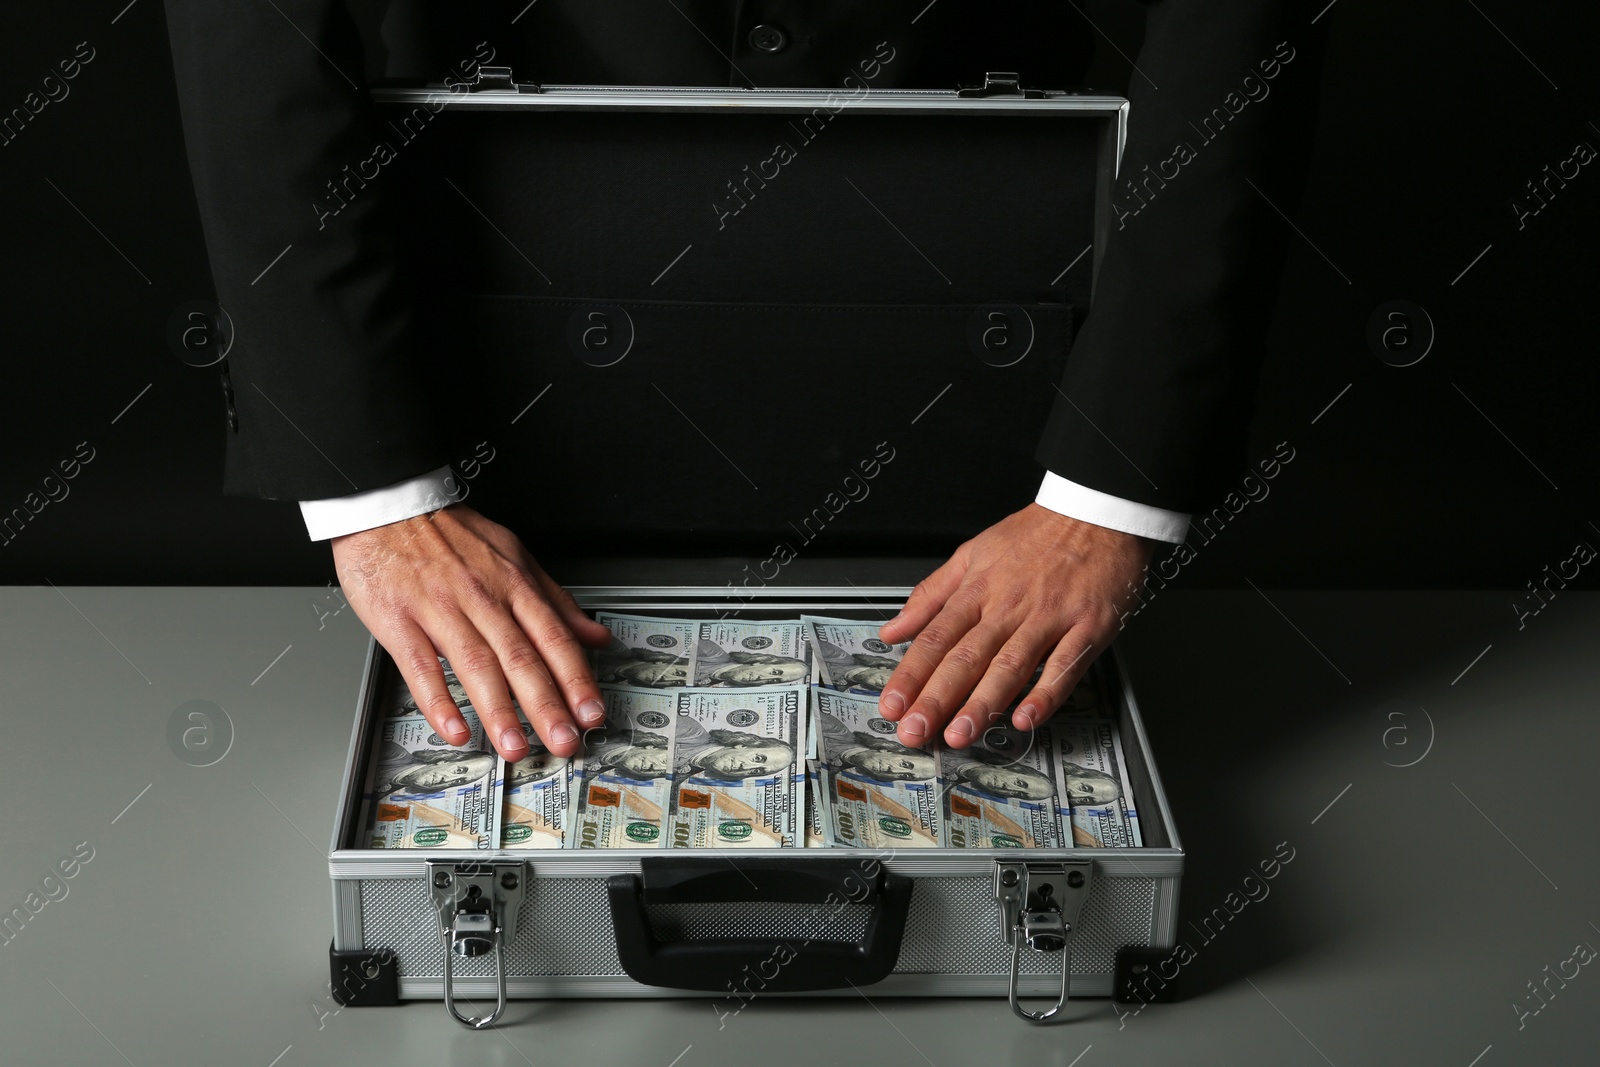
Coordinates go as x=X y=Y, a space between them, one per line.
x=647 y=922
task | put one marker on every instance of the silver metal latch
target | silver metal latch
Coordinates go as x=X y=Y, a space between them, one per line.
x=1039 y=906
x=477 y=904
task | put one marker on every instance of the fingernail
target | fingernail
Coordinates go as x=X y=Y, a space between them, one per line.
x=892 y=704
x=959 y=733
x=563 y=734
x=511 y=740
x=1024 y=718
x=915 y=725
x=456 y=731
x=591 y=711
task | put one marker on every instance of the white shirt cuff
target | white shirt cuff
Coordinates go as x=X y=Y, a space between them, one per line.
x=340 y=515
x=1113 y=512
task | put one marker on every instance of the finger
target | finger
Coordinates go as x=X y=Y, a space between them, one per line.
x=924 y=656
x=414 y=656
x=1066 y=665
x=960 y=670
x=512 y=661
x=919 y=664
x=1007 y=674
x=926 y=599
x=478 y=667
x=586 y=630
x=547 y=712
x=562 y=662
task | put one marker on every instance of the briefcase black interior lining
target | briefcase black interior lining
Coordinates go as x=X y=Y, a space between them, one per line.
x=807 y=293
x=697 y=427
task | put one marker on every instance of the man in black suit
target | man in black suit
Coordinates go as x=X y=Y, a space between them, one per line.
x=324 y=406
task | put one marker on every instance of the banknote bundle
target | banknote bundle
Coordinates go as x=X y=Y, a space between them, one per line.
x=741 y=781
x=537 y=791
x=740 y=733
x=624 y=774
x=1092 y=785
x=878 y=792
x=1002 y=792
x=423 y=792
x=851 y=657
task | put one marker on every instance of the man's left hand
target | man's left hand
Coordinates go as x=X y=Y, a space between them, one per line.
x=1036 y=585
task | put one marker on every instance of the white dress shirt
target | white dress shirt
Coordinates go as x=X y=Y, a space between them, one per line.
x=340 y=515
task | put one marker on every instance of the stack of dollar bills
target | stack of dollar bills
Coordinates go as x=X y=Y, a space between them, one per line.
x=739 y=733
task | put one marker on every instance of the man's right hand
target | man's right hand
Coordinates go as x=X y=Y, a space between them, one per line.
x=455 y=584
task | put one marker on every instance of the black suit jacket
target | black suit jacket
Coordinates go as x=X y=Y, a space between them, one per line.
x=327 y=398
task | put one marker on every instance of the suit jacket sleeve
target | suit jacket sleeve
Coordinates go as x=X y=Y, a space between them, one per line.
x=1159 y=388
x=322 y=366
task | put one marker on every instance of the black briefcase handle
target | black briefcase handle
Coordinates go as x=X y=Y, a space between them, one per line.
x=759 y=964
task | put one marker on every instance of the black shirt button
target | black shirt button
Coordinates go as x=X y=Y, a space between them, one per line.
x=768 y=39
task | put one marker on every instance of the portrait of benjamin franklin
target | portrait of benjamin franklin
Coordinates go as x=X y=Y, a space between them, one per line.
x=880 y=758
x=857 y=672
x=647 y=668
x=729 y=755
x=995 y=774
x=1086 y=787
x=538 y=764
x=639 y=754
x=422 y=773
x=751 y=668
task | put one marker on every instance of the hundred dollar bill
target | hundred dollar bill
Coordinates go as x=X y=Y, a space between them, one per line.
x=734 y=653
x=1091 y=787
x=537 y=794
x=652 y=653
x=1001 y=792
x=1130 y=805
x=739 y=781
x=622 y=782
x=817 y=818
x=880 y=793
x=811 y=706
x=424 y=792
x=851 y=656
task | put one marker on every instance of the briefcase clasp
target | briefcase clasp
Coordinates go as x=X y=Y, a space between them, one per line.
x=477 y=905
x=1039 y=906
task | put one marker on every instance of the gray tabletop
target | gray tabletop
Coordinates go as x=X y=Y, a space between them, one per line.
x=1427 y=757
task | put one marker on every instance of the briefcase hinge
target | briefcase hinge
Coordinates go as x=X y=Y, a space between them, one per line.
x=1039 y=906
x=497 y=79
x=1000 y=83
x=477 y=906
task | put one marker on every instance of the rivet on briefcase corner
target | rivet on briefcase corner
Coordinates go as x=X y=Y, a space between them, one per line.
x=1075 y=879
x=508 y=880
x=1008 y=877
x=441 y=879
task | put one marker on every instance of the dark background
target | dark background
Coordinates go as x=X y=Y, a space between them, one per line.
x=1472 y=468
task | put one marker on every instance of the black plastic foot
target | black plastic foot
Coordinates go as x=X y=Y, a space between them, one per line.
x=364 y=978
x=1146 y=975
